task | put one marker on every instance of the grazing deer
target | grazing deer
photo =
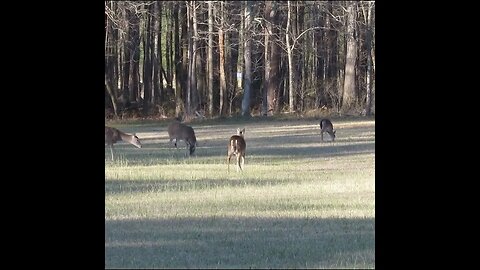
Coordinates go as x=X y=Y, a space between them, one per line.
x=112 y=135
x=327 y=126
x=237 y=147
x=182 y=132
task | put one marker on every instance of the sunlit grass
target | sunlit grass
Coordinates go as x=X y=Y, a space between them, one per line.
x=320 y=197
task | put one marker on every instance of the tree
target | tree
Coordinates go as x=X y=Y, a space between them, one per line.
x=210 y=58
x=179 y=16
x=351 y=57
x=221 y=48
x=267 y=57
x=191 y=83
x=368 y=18
x=247 y=83
x=197 y=75
x=272 y=59
x=157 y=57
x=147 y=60
x=299 y=56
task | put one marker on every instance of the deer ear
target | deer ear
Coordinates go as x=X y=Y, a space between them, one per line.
x=243 y=130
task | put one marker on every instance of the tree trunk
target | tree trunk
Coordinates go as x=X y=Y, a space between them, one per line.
x=320 y=45
x=267 y=57
x=233 y=57
x=197 y=75
x=147 y=64
x=300 y=57
x=135 y=58
x=274 y=61
x=228 y=67
x=333 y=69
x=369 y=61
x=157 y=75
x=190 y=59
x=221 y=48
x=210 y=58
x=351 y=57
x=127 y=57
x=291 y=72
x=169 y=54
x=247 y=84
x=180 y=62
x=111 y=93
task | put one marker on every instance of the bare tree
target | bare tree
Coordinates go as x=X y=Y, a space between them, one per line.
x=267 y=57
x=368 y=18
x=298 y=55
x=247 y=83
x=351 y=57
x=147 y=60
x=179 y=14
x=221 y=48
x=157 y=57
x=197 y=75
x=210 y=58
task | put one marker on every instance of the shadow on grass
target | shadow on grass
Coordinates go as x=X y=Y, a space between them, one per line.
x=240 y=243
x=124 y=186
x=327 y=149
x=255 y=149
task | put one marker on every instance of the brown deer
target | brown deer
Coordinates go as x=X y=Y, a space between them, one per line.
x=112 y=135
x=327 y=126
x=182 y=132
x=237 y=147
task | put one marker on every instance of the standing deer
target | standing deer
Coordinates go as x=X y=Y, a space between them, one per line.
x=112 y=135
x=237 y=147
x=182 y=132
x=327 y=126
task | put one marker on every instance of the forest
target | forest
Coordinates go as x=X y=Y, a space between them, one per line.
x=194 y=59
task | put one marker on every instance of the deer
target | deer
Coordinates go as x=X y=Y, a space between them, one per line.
x=327 y=126
x=237 y=147
x=181 y=132
x=113 y=135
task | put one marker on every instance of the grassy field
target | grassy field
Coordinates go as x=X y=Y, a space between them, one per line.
x=299 y=203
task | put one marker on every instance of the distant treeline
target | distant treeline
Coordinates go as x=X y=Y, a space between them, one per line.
x=220 y=58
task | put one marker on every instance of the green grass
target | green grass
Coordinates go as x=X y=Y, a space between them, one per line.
x=299 y=203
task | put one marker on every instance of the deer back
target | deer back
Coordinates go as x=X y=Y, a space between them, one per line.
x=179 y=131
x=183 y=132
x=112 y=135
x=326 y=125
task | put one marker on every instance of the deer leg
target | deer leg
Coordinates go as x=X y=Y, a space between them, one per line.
x=228 y=161
x=321 y=135
x=111 y=150
x=238 y=162
x=243 y=162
